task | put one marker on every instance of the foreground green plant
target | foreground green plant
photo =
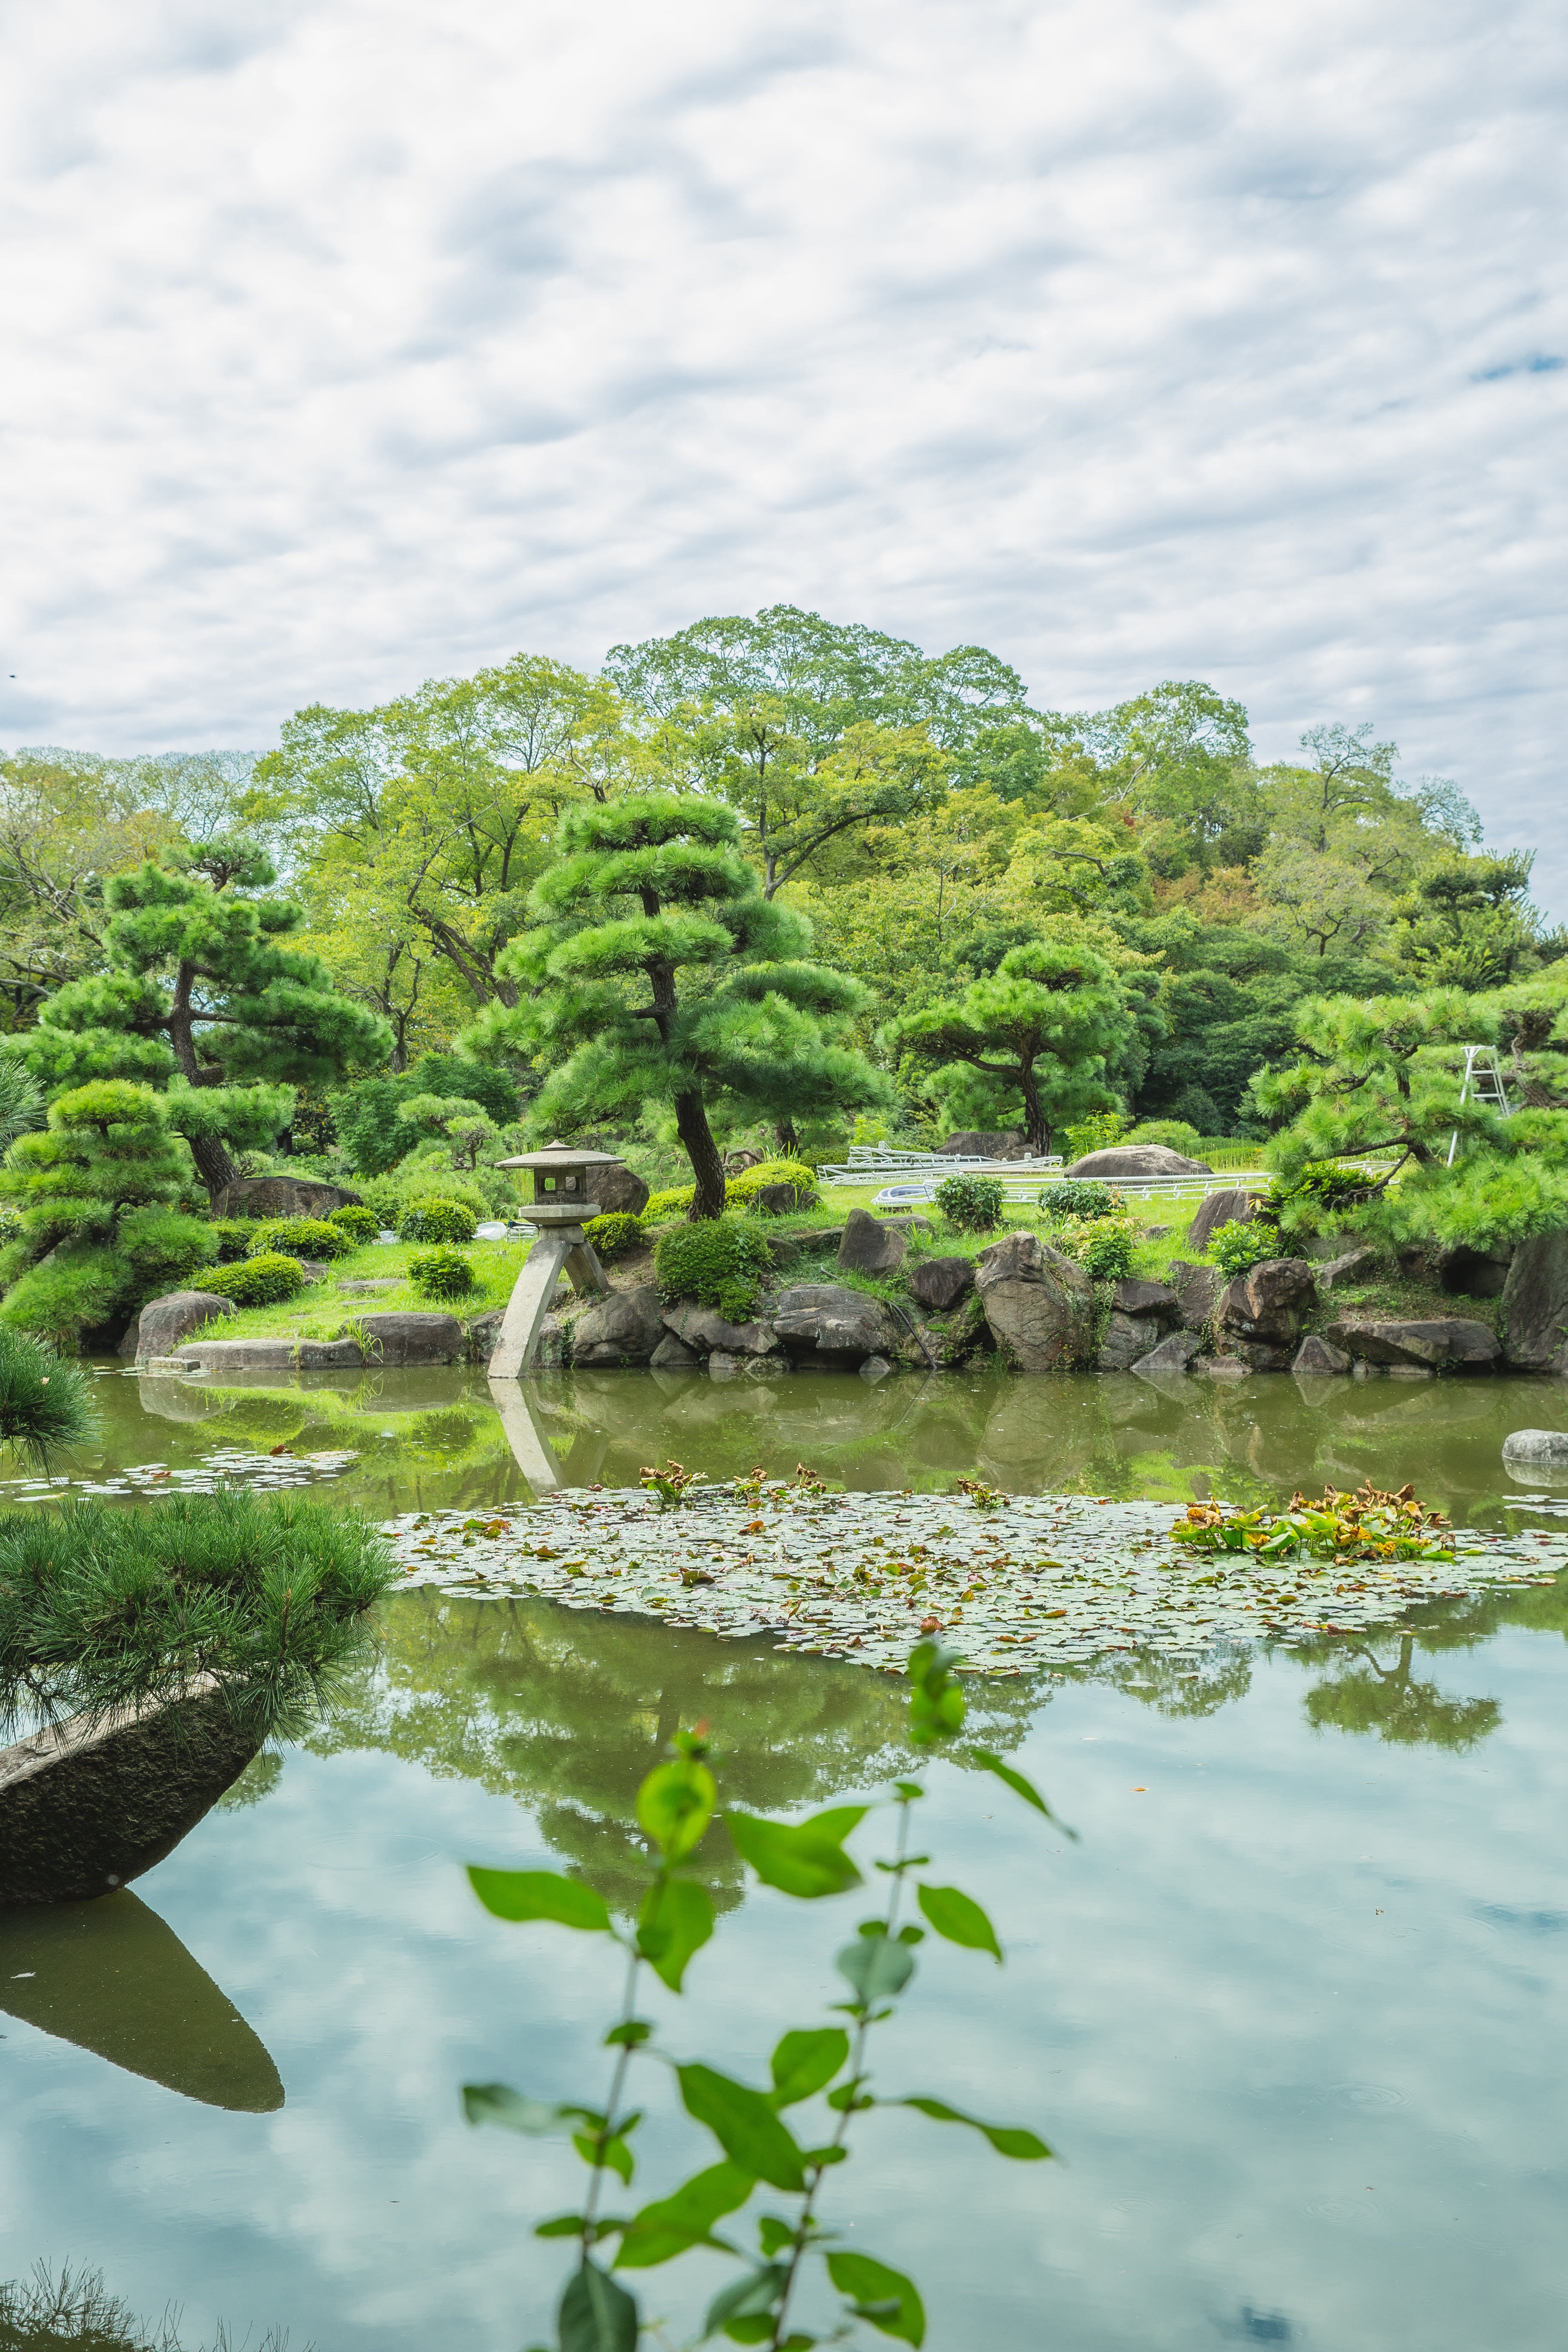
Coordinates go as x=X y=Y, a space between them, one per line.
x=673 y=1485
x=972 y=1205
x=1368 y=1525
x=718 y=1262
x=675 y=1805
x=1236 y=1248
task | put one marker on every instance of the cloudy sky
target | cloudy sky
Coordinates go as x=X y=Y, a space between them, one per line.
x=348 y=344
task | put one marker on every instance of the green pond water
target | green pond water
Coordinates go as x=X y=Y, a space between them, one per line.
x=1289 y=2010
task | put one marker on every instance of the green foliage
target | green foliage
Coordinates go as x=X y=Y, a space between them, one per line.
x=676 y=1804
x=1367 y=1525
x=1374 y=1071
x=1485 y=1202
x=972 y=1205
x=1078 y=1197
x=441 y=1273
x=1095 y=1134
x=1173 y=1133
x=1196 y=1108
x=361 y=1224
x=43 y=1402
x=233 y=1237
x=1237 y=1248
x=719 y=1263
x=103 y=1609
x=1109 y=1251
x=614 y=1236
x=257 y=1281
x=667 y=1203
x=314 y=1237
x=437 y=1220
x=741 y=1189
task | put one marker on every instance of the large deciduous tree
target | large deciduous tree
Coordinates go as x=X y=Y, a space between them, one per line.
x=201 y=1000
x=1041 y=1031
x=657 y=972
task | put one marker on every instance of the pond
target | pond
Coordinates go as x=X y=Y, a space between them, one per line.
x=1285 y=2010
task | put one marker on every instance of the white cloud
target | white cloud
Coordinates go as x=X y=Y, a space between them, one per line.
x=349 y=344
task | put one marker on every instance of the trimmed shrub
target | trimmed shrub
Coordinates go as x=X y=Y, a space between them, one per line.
x=1236 y=1249
x=299 y=1236
x=971 y=1203
x=360 y=1225
x=441 y=1273
x=437 y=1220
x=717 y=1262
x=665 y=1203
x=233 y=1234
x=257 y=1281
x=801 y=1180
x=1109 y=1252
x=1079 y=1197
x=1173 y=1133
x=616 y=1234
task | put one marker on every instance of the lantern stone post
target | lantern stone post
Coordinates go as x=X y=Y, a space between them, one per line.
x=561 y=1182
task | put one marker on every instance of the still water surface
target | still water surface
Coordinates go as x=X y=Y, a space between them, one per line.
x=1290 y=2010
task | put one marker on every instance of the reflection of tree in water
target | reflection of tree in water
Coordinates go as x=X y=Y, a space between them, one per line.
x=565 y=1710
x=258 y=1780
x=1175 y=1686
x=1365 y=1695
x=46 y=2313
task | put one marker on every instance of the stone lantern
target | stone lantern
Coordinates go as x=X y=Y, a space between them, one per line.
x=563 y=1182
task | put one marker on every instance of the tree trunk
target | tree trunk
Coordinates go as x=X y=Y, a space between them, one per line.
x=214 y=1165
x=788 y=1140
x=1037 y=1133
x=691 y=1125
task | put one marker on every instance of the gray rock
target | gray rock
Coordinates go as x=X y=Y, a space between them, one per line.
x=1535 y=1306
x=164 y=1322
x=1125 y=1338
x=397 y=1338
x=553 y=1349
x=1317 y=1354
x=619 y=1191
x=382 y=1282
x=986 y=1143
x=1173 y=1354
x=1137 y=1159
x=722 y=1366
x=782 y=1201
x=869 y=1246
x=1266 y=1305
x=1230 y=1208
x=673 y=1355
x=94 y=1802
x=820 y=1243
x=703 y=1328
x=1199 y=1289
x=1355 y=1265
x=1222 y=1368
x=875 y=1367
x=1446 y=1342
x=1131 y=1297
x=283 y=1196
x=765 y=1368
x=1038 y=1304
x=941 y=1282
x=1473 y=1273
x=236 y=1356
x=825 y=1320
x=482 y=1332
x=1549 y=1447
x=624 y=1328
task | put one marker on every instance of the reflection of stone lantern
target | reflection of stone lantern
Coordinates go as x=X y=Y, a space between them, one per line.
x=563 y=1179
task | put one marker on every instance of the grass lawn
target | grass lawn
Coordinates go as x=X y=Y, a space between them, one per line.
x=322 y=1311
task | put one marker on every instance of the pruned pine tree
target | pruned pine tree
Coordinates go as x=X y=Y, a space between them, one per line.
x=201 y=1001
x=1039 y=1033
x=657 y=972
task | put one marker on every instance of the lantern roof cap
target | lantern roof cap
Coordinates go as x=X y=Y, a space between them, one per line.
x=557 y=1154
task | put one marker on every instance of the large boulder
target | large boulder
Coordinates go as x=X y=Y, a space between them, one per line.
x=1199 y=1289
x=1038 y=1304
x=1135 y=1160
x=624 y=1328
x=983 y=1143
x=1133 y=1297
x=1232 y=1207
x=869 y=1246
x=703 y=1328
x=283 y=1196
x=1357 y=1264
x=1319 y=1356
x=164 y=1322
x=1448 y=1342
x=1173 y=1356
x=398 y=1338
x=1535 y=1306
x=619 y=1191
x=1540 y=1449
x=281 y=1355
x=782 y=1201
x=1266 y=1305
x=939 y=1283
x=1124 y=1339
x=824 y=1322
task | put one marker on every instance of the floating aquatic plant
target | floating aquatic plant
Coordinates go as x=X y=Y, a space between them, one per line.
x=1367 y=1524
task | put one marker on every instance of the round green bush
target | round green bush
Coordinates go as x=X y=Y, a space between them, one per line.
x=361 y=1224
x=233 y=1238
x=437 y=1220
x=665 y=1203
x=1173 y=1133
x=614 y=1234
x=299 y=1236
x=1238 y=1248
x=1077 y=1196
x=257 y=1281
x=972 y=1203
x=744 y=1187
x=441 y=1273
x=718 y=1262
x=1109 y=1253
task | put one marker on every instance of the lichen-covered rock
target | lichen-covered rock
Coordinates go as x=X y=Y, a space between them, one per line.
x=482 y=1332
x=1038 y=1304
x=1445 y=1342
x=1356 y=1265
x=1198 y=1289
x=1318 y=1355
x=869 y=1246
x=939 y=1283
x=283 y=1196
x=1135 y=1160
x=409 y=1339
x=164 y=1322
x=824 y=1321
x=1124 y=1339
x=1535 y=1306
x=673 y=1355
x=703 y=1328
x=1234 y=1207
x=782 y=1200
x=624 y=1328
x=1174 y=1355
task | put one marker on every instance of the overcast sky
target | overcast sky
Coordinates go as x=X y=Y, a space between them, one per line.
x=348 y=344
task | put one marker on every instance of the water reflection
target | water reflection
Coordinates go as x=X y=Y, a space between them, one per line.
x=111 y=1977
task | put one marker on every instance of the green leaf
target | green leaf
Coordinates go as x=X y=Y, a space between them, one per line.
x=675 y=1805
x=635 y=2030
x=804 y=1858
x=615 y=2154
x=572 y=2225
x=540 y=1894
x=885 y=2297
x=664 y=2230
x=676 y=1920
x=1007 y=2139
x=876 y=1966
x=953 y=1915
x=756 y=2296
x=805 y=2063
x=1020 y=1787
x=772 y=2235
x=597 y=2315
x=493 y=2103
x=744 y=2125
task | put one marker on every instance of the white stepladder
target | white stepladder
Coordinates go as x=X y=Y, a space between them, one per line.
x=559 y=1210
x=1483 y=1083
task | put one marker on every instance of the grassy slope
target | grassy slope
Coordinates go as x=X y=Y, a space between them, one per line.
x=322 y=1312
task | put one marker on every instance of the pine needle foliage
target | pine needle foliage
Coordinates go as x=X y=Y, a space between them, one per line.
x=103 y=1608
